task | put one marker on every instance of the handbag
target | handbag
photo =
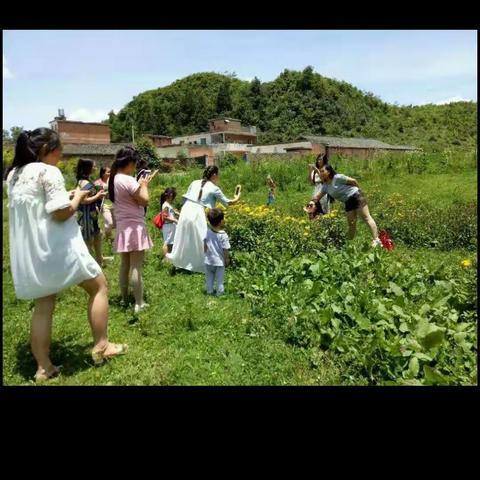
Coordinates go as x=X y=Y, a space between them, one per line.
x=159 y=219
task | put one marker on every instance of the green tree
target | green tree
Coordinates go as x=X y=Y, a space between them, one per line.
x=148 y=152
x=224 y=100
x=15 y=132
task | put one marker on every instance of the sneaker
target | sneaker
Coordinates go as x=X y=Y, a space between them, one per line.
x=137 y=308
x=376 y=243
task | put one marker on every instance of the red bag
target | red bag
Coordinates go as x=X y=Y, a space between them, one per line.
x=159 y=219
x=387 y=242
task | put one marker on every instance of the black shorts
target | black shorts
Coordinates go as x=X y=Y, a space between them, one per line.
x=357 y=200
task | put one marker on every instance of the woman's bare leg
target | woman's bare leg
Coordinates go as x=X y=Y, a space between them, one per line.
x=367 y=218
x=98 y=314
x=124 y=274
x=97 y=308
x=97 y=245
x=41 y=331
x=136 y=266
x=352 y=223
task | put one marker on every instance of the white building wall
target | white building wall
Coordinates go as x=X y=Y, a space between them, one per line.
x=193 y=138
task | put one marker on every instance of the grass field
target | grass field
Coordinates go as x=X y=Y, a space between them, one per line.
x=187 y=338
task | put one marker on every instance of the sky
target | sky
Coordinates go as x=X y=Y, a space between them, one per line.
x=90 y=72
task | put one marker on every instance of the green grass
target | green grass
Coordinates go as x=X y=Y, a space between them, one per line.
x=187 y=338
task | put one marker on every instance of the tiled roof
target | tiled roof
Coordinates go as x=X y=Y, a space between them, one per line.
x=353 y=142
x=92 y=149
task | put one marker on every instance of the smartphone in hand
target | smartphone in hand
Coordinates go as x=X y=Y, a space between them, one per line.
x=238 y=189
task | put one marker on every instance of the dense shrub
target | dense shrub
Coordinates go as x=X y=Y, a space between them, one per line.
x=387 y=321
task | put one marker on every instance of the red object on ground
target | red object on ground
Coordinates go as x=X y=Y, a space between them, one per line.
x=387 y=242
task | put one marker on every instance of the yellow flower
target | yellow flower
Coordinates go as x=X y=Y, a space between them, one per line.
x=306 y=234
x=466 y=263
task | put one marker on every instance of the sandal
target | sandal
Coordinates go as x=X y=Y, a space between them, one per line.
x=100 y=356
x=42 y=375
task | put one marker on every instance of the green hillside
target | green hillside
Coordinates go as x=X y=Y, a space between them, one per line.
x=294 y=103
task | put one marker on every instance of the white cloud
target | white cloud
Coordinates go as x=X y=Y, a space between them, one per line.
x=456 y=98
x=88 y=115
x=6 y=71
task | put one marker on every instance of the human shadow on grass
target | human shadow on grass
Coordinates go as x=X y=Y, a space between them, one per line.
x=127 y=308
x=72 y=356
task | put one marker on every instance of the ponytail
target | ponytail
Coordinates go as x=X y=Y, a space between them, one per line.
x=123 y=157
x=207 y=175
x=32 y=145
x=111 y=179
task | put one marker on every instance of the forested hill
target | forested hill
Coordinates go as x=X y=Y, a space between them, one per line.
x=296 y=102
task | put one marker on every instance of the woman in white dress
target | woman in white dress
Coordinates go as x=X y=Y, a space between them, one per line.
x=47 y=251
x=188 y=250
x=316 y=181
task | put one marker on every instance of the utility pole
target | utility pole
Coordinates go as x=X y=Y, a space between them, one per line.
x=133 y=134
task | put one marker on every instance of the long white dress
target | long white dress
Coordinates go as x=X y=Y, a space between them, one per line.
x=188 y=250
x=46 y=256
x=325 y=201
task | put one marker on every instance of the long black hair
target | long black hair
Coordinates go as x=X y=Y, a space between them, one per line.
x=330 y=170
x=321 y=158
x=124 y=156
x=84 y=168
x=31 y=145
x=168 y=191
x=208 y=173
x=318 y=207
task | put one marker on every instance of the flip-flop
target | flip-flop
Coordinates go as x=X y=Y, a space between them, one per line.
x=99 y=357
x=43 y=375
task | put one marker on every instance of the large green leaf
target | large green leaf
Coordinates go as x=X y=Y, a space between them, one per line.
x=413 y=367
x=396 y=289
x=430 y=335
x=433 y=377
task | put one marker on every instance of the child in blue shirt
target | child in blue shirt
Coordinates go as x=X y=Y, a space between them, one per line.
x=217 y=255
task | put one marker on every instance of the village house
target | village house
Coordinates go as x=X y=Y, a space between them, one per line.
x=225 y=136
x=85 y=139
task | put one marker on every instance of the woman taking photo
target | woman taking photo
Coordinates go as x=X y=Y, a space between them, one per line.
x=129 y=198
x=106 y=207
x=346 y=190
x=188 y=250
x=316 y=181
x=89 y=208
x=47 y=251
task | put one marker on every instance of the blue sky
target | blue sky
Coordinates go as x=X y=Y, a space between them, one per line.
x=90 y=72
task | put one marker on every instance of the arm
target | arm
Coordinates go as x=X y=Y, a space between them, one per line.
x=310 y=179
x=141 y=194
x=58 y=203
x=225 y=242
x=226 y=257
x=219 y=195
x=168 y=217
x=318 y=196
x=98 y=196
x=351 y=181
x=65 y=213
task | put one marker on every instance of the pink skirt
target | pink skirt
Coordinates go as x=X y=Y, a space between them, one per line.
x=132 y=237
